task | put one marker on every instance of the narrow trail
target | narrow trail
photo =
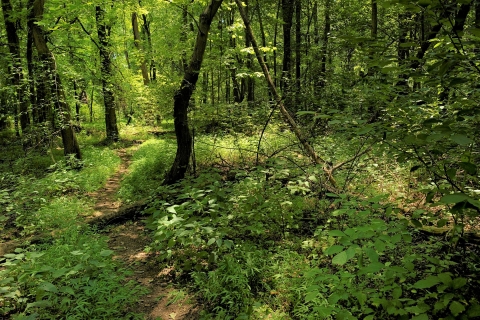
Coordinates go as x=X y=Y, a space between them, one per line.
x=128 y=240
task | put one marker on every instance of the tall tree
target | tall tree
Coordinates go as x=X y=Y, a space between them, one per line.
x=324 y=51
x=139 y=46
x=69 y=139
x=103 y=31
x=14 y=47
x=184 y=93
x=287 y=17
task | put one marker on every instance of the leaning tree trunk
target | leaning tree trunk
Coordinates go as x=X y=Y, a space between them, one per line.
x=103 y=32
x=289 y=119
x=182 y=96
x=14 y=47
x=70 y=143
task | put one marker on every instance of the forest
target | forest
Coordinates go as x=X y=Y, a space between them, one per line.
x=240 y=159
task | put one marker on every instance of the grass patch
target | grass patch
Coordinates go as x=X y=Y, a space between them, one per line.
x=75 y=278
x=148 y=168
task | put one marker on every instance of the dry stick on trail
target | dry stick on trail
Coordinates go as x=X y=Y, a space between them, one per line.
x=291 y=122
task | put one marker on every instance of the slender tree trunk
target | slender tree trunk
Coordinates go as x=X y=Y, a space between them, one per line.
x=138 y=45
x=275 y=36
x=287 y=16
x=70 y=143
x=373 y=35
x=14 y=47
x=30 y=65
x=106 y=69
x=77 y=102
x=184 y=93
x=249 y=81
x=148 y=35
x=324 y=51
x=298 y=48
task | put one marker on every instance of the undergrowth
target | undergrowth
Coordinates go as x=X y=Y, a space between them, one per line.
x=262 y=245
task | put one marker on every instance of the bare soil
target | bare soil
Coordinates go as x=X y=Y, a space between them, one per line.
x=129 y=241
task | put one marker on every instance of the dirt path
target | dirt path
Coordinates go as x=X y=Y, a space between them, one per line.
x=129 y=240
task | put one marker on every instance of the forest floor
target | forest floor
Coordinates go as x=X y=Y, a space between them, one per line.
x=129 y=240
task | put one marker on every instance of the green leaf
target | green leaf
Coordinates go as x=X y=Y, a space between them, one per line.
x=445 y=278
x=340 y=258
x=456 y=308
x=211 y=241
x=302 y=113
x=422 y=316
x=106 y=253
x=372 y=268
x=427 y=283
x=310 y=296
x=461 y=139
x=68 y=290
x=47 y=286
x=470 y=168
x=336 y=233
x=416 y=223
x=334 y=249
x=397 y=292
x=454 y=198
x=474 y=311
x=457 y=283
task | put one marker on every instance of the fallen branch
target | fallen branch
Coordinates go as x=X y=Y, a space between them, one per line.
x=124 y=213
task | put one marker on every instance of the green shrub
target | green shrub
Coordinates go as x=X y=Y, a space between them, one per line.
x=75 y=278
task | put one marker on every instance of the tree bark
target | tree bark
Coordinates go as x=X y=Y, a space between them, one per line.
x=36 y=112
x=184 y=93
x=287 y=17
x=69 y=139
x=138 y=45
x=103 y=32
x=298 y=48
x=324 y=51
x=14 y=48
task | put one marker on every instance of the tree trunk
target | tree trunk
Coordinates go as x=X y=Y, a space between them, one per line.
x=148 y=35
x=70 y=143
x=14 y=47
x=31 y=72
x=138 y=45
x=103 y=32
x=275 y=35
x=184 y=93
x=324 y=51
x=287 y=17
x=298 y=48
x=77 y=102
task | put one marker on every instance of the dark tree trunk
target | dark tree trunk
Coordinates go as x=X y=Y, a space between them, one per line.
x=148 y=35
x=275 y=36
x=324 y=52
x=183 y=95
x=31 y=72
x=14 y=48
x=287 y=17
x=70 y=143
x=298 y=47
x=138 y=45
x=249 y=81
x=103 y=32
x=77 y=102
